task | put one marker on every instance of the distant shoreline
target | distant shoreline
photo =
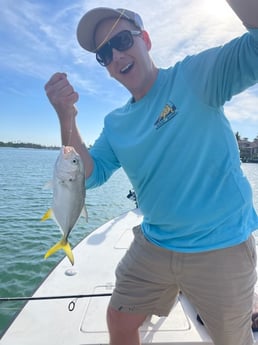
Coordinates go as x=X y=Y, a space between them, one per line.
x=28 y=145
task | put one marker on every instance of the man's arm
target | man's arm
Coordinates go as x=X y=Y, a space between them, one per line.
x=246 y=10
x=63 y=97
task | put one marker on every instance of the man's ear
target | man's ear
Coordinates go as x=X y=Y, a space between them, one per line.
x=146 y=39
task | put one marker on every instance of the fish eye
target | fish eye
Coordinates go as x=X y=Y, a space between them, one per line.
x=75 y=161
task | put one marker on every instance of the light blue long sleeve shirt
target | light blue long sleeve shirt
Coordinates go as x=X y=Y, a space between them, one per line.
x=180 y=154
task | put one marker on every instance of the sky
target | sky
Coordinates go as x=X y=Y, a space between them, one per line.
x=38 y=38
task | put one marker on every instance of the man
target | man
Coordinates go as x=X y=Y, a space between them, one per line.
x=180 y=154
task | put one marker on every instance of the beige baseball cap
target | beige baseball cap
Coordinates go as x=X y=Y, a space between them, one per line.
x=87 y=25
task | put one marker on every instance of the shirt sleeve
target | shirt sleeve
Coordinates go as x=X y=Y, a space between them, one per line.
x=105 y=162
x=217 y=74
x=254 y=34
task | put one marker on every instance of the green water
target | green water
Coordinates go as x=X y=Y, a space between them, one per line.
x=23 y=238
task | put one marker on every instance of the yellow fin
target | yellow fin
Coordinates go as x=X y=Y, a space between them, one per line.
x=63 y=244
x=47 y=215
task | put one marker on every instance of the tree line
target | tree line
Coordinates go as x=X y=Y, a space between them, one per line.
x=27 y=145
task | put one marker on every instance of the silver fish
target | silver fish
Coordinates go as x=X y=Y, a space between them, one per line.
x=68 y=197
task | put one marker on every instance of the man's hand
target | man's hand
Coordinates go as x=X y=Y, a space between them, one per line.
x=61 y=95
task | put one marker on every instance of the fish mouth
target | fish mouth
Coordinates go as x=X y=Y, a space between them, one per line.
x=67 y=149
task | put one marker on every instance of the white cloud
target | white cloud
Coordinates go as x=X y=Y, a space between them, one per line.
x=244 y=106
x=179 y=27
x=40 y=39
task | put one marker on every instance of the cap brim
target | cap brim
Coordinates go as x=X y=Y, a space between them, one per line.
x=88 y=23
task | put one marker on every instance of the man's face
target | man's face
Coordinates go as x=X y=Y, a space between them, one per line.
x=131 y=67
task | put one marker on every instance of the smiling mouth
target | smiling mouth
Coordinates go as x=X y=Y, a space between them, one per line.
x=126 y=68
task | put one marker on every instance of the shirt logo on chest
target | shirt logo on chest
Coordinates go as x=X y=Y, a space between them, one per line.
x=166 y=115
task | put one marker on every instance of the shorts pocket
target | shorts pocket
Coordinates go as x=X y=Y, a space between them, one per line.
x=250 y=246
x=142 y=240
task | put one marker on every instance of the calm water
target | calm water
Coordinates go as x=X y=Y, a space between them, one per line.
x=24 y=239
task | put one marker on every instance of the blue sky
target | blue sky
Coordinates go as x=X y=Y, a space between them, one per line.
x=38 y=39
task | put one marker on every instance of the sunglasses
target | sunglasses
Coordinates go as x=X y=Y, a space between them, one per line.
x=121 y=42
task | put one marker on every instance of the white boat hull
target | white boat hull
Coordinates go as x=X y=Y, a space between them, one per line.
x=82 y=320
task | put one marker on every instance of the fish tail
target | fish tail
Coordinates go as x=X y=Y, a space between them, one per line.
x=63 y=244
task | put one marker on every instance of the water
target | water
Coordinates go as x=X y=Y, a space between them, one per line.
x=23 y=201
x=24 y=239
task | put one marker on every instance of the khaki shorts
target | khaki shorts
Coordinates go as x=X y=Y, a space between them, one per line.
x=219 y=283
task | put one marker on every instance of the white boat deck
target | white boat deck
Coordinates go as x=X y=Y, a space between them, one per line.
x=51 y=321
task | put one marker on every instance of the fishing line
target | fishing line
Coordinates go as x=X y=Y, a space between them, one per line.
x=41 y=298
x=111 y=30
x=101 y=43
x=70 y=131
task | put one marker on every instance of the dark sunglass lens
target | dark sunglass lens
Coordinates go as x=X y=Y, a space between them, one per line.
x=122 y=41
x=104 y=55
